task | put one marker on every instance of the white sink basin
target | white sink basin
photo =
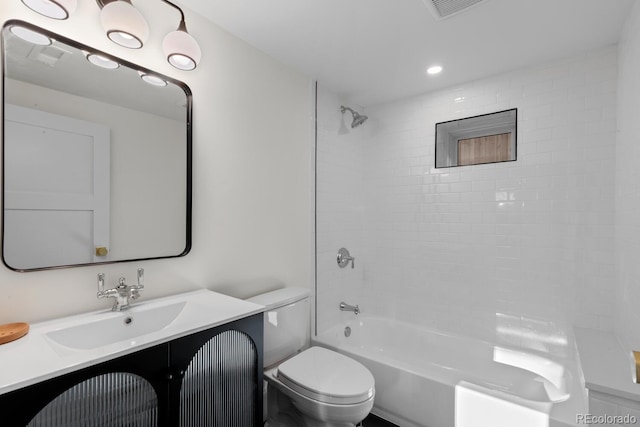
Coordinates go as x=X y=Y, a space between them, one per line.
x=118 y=326
x=64 y=345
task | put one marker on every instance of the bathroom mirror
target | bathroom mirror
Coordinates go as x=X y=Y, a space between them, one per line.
x=96 y=163
x=488 y=138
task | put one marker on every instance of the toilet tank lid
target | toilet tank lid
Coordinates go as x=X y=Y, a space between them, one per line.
x=280 y=297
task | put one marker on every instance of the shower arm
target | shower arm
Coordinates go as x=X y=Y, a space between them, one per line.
x=343 y=109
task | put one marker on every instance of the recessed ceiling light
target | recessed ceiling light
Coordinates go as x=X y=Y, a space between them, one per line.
x=434 y=70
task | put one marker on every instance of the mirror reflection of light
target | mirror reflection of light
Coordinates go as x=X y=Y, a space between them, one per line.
x=30 y=36
x=102 y=61
x=151 y=79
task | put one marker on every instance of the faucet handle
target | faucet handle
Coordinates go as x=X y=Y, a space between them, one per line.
x=344 y=257
x=100 y=282
x=140 y=278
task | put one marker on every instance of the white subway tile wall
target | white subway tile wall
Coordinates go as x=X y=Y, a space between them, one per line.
x=628 y=185
x=339 y=209
x=454 y=248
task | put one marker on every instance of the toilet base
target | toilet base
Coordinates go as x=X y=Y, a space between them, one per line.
x=282 y=411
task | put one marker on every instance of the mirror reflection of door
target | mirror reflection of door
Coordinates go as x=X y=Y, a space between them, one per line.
x=56 y=200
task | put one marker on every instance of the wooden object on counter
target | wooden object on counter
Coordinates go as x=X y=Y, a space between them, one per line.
x=12 y=331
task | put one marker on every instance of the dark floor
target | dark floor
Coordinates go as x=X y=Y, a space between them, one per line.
x=373 y=421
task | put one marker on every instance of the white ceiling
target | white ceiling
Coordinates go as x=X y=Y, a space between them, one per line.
x=373 y=51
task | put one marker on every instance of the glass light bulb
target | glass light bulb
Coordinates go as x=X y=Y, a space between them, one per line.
x=124 y=24
x=182 y=50
x=56 y=9
x=182 y=62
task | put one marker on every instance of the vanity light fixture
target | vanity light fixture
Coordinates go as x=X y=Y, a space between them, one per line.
x=56 y=9
x=123 y=23
x=180 y=48
x=30 y=35
x=101 y=61
x=152 y=79
x=126 y=26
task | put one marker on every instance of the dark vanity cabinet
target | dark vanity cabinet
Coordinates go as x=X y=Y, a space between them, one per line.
x=210 y=378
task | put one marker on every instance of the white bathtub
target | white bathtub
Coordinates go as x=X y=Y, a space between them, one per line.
x=427 y=378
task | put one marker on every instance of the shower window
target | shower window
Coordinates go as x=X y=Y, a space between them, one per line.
x=485 y=149
x=489 y=138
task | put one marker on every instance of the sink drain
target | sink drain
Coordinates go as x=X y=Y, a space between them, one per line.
x=128 y=320
x=347 y=331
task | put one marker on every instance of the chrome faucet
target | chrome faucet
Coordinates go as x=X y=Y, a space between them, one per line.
x=123 y=293
x=346 y=307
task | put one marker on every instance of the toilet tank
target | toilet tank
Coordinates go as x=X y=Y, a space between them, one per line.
x=286 y=323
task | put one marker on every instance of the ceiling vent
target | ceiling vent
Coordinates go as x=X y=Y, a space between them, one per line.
x=445 y=8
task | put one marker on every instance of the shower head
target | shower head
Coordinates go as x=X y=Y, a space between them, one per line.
x=358 y=119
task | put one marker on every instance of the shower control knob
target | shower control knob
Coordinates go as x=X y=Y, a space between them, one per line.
x=344 y=257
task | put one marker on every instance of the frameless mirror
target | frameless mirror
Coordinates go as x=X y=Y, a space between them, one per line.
x=96 y=156
x=488 y=138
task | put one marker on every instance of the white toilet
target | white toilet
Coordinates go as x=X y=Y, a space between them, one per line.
x=308 y=386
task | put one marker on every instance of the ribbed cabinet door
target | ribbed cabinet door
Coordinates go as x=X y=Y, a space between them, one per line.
x=219 y=384
x=110 y=400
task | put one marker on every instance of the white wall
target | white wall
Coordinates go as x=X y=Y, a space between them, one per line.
x=252 y=213
x=628 y=184
x=454 y=248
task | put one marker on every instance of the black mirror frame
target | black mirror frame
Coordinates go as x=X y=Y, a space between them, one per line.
x=189 y=142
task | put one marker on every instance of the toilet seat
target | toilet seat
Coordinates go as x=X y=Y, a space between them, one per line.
x=327 y=376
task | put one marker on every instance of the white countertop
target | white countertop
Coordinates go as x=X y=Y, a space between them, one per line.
x=36 y=358
x=606 y=364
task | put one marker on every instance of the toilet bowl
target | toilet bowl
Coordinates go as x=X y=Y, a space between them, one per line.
x=318 y=386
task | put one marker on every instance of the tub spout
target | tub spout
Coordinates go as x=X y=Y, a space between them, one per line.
x=346 y=307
